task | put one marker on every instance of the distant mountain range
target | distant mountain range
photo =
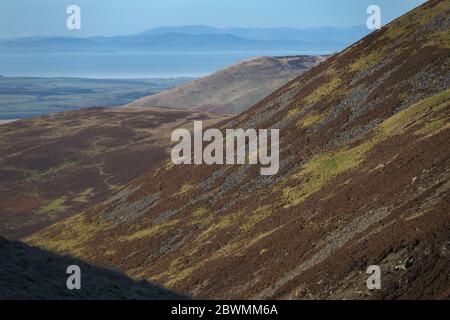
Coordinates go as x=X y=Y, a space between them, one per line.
x=196 y=38
x=330 y=34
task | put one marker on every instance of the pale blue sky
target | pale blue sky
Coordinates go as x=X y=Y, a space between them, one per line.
x=115 y=17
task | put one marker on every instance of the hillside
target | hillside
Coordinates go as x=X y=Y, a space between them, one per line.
x=364 y=180
x=32 y=273
x=54 y=166
x=234 y=89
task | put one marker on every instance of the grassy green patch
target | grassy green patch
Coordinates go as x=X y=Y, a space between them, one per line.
x=293 y=112
x=187 y=187
x=94 y=150
x=432 y=127
x=201 y=216
x=54 y=206
x=321 y=169
x=84 y=196
x=324 y=90
x=439 y=39
x=26 y=174
x=29 y=174
x=255 y=217
x=318 y=171
x=366 y=61
x=68 y=236
x=150 y=231
x=395 y=31
x=310 y=120
x=415 y=115
x=180 y=270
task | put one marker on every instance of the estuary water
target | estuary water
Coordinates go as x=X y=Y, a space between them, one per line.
x=122 y=65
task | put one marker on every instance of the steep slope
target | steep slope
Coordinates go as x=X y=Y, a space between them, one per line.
x=234 y=89
x=363 y=180
x=32 y=273
x=54 y=166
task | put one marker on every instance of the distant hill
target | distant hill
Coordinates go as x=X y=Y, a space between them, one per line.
x=33 y=273
x=234 y=89
x=195 y=38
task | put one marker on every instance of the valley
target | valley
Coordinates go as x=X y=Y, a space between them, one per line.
x=54 y=166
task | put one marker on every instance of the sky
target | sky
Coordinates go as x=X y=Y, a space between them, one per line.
x=21 y=18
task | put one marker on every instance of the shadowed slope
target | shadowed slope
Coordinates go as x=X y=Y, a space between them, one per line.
x=364 y=179
x=32 y=273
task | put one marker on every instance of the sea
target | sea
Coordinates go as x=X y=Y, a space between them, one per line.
x=126 y=65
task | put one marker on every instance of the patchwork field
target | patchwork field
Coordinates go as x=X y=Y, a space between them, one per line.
x=28 y=97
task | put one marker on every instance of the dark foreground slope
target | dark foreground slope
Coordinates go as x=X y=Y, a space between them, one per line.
x=364 y=180
x=32 y=273
x=53 y=166
x=233 y=89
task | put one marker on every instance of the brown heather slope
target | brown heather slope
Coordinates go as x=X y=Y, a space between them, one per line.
x=234 y=89
x=54 y=166
x=364 y=179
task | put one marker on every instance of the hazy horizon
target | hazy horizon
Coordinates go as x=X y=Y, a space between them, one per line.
x=109 y=17
x=184 y=26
